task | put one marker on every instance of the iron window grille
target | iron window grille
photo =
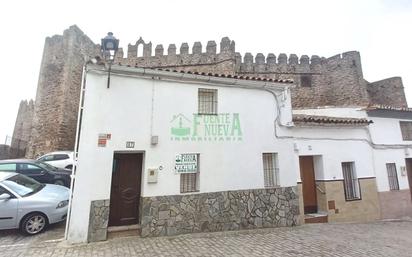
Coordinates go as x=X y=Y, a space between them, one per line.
x=207 y=101
x=350 y=181
x=406 y=130
x=270 y=169
x=189 y=182
x=392 y=176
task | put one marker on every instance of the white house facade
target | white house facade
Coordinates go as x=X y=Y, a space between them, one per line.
x=178 y=153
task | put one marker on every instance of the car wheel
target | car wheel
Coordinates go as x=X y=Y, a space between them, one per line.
x=69 y=167
x=33 y=223
x=59 y=182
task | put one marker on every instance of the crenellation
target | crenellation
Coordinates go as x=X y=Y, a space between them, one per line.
x=159 y=50
x=225 y=45
x=197 y=48
x=131 y=51
x=171 y=50
x=211 y=47
x=315 y=60
x=147 y=49
x=282 y=59
x=271 y=59
x=184 y=49
x=260 y=59
x=304 y=60
x=293 y=59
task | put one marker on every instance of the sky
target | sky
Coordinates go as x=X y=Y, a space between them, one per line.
x=379 y=29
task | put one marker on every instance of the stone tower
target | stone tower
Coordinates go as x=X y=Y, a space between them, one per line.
x=22 y=129
x=57 y=97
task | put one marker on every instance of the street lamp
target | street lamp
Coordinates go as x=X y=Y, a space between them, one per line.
x=109 y=48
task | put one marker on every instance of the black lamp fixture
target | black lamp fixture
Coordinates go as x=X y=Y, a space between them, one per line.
x=109 y=48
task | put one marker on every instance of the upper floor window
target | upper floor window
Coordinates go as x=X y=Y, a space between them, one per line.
x=306 y=80
x=406 y=129
x=207 y=99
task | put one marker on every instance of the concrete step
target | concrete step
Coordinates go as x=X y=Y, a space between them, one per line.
x=316 y=218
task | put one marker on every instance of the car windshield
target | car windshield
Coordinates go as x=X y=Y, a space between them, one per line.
x=46 y=166
x=22 y=185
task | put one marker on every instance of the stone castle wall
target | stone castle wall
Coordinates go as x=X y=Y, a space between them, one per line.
x=389 y=92
x=22 y=129
x=334 y=81
x=57 y=97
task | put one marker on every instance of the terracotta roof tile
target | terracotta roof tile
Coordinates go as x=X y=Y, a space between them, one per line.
x=230 y=76
x=388 y=107
x=313 y=119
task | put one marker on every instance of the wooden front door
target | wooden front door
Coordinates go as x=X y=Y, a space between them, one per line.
x=307 y=175
x=125 y=189
x=409 y=171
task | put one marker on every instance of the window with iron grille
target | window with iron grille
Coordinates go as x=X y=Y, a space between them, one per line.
x=350 y=181
x=207 y=99
x=406 y=130
x=392 y=176
x=189 y=182
x=270 y=169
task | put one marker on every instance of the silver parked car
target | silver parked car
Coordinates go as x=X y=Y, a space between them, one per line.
x=30 y=205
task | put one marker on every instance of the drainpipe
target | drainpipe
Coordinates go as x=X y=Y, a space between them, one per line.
x=76 y=148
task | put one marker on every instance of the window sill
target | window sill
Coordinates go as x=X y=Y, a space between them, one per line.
x=209 y=114
x=188 y=192
x=354 y=199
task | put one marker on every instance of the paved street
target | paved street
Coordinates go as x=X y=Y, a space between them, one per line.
x=372 y=239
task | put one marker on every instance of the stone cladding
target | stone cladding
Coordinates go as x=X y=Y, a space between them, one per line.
x=98 y=221
x=219 y=211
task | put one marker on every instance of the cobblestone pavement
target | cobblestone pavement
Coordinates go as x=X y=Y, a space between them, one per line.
x=371 y=239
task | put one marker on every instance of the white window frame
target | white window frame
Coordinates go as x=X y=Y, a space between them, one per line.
x=270 y=170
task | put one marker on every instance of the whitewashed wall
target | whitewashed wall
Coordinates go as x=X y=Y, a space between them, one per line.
x=133 y=109
x=387 y=131
x=331 y=146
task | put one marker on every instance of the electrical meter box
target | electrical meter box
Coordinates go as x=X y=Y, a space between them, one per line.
x=152 y=175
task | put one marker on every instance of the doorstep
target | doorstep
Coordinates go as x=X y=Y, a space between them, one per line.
x=319 y=217
x=123 y=231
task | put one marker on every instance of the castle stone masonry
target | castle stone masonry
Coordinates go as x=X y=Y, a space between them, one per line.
x=319 y=81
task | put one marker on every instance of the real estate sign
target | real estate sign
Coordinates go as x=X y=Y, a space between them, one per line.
x=186 y=163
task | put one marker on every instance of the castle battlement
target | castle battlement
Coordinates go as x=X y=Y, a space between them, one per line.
x=141 y=54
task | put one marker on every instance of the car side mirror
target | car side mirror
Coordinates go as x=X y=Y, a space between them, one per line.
x=4 y=196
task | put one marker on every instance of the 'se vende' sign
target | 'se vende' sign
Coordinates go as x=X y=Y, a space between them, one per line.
x=186 y=163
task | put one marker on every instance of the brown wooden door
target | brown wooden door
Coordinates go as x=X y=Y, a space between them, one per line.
x=409 y=171
x=125 y=190
x=307 y=174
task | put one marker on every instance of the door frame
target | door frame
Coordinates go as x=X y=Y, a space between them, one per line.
x=314 y=183
x=141 y=181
